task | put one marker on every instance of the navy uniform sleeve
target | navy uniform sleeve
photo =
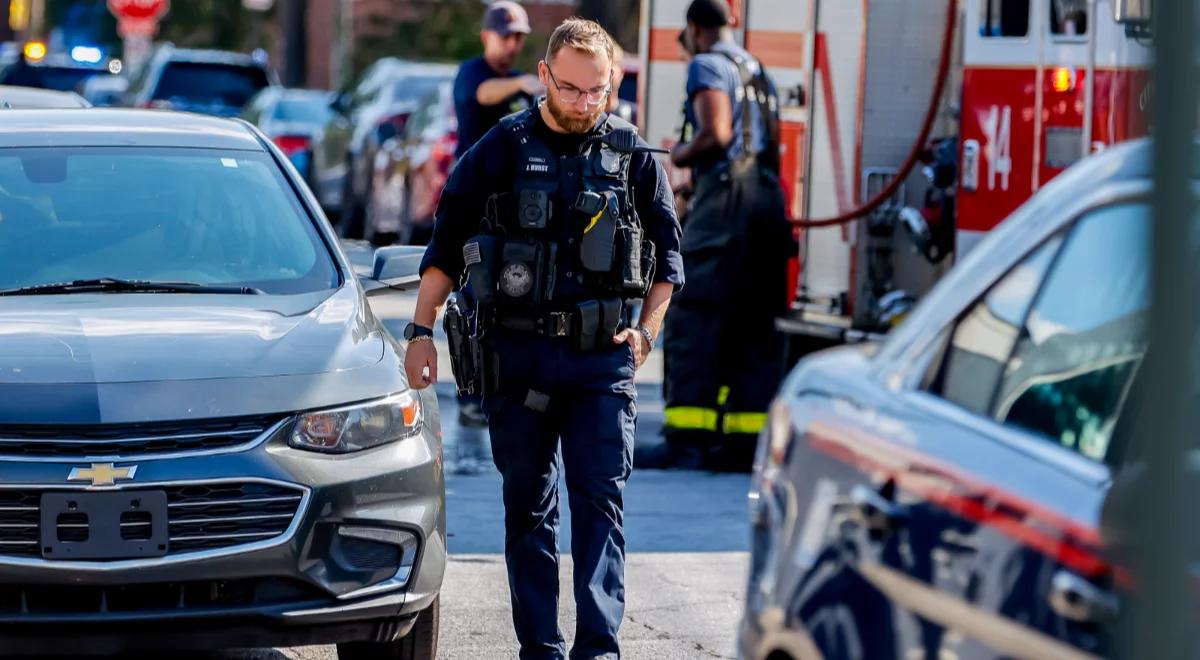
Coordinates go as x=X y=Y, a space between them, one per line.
x=462 y=204
x=656 y=208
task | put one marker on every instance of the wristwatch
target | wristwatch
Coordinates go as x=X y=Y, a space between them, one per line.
x=413 y=331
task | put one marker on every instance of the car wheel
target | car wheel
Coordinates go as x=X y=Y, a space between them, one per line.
x=419 y=644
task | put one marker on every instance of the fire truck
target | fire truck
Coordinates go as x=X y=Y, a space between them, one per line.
x=911 y=128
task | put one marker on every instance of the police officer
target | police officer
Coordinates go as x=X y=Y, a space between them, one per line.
x=488 y=87
x=724 y=358
x=558 y=219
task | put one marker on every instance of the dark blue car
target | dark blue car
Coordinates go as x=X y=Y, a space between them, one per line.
x=942 y=493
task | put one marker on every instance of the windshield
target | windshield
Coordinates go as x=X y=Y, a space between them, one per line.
x=312 y=110
x=63 y=79
x=165 y=215
x=197 y=82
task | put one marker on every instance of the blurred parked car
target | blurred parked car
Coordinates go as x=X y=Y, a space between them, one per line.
x=209 y=82
x=104 y=90
x=56 y=71
x=941 y=493
x=410 y=172
x=28 y=98
x=295 y=120
x=377 y=109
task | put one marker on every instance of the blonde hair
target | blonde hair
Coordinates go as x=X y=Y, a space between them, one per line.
x=582 y=35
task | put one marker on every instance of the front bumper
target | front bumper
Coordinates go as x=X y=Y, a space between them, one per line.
x=304 y=585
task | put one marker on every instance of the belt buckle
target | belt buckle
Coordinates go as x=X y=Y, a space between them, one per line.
x=560 y=324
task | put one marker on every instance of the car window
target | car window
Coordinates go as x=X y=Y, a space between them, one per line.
x=309 y=111
x=421 y=119
x=415 y=88
x=973 y=361
x=1004 y=18
x=1068 y=18
x=196 y=215
x=62 y=79
x=1085 y=336
x=201 y=82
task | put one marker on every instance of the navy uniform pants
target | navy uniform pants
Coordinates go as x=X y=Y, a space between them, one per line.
x=589 y=415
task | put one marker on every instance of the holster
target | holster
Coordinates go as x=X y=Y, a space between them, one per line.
x=472 y=364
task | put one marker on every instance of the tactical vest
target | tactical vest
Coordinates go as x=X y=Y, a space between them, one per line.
x=754 y=86
x=568 y=231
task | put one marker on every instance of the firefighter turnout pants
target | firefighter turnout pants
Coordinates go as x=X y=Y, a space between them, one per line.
x=724 y=358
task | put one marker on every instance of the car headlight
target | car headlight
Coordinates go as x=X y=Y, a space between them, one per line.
x=358 y=427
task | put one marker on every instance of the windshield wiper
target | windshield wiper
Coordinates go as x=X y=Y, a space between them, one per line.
x=114 y=285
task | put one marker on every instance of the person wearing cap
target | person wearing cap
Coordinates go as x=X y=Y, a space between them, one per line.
x=723 y=355
x=488 y=87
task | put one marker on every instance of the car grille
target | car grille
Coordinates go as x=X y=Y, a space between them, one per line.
x=129 y=440
x=207 y=516
x=48 y=600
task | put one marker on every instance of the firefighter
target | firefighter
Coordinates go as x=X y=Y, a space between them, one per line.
x=724 y=357
x=559 y=219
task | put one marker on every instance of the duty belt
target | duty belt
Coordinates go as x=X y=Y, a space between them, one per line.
x=591 y=325
x=550 y=324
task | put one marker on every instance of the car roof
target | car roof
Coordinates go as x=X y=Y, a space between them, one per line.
x=211 y=57
x=24 y=98
x=98 y=127
x=302 y=94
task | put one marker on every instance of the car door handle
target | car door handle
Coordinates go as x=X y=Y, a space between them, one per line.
x=1076 y=599
x=877 y=512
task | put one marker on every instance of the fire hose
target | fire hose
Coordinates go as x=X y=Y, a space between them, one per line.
x=926 y=127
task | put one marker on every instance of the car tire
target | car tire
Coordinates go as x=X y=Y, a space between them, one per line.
x=419 y=644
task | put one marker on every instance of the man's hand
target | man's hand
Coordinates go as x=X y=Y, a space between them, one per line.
x=531 y=85
x=641 y=349
x=421 y=356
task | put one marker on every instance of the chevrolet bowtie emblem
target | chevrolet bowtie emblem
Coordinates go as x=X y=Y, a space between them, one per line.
x=102 y=474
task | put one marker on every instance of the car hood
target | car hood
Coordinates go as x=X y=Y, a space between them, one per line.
x=125 y=338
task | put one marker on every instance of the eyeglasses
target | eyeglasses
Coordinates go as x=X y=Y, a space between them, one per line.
x=570 y=94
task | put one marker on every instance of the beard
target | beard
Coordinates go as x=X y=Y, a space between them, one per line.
x=568 y=120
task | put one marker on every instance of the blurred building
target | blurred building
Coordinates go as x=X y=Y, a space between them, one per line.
x=334 y=26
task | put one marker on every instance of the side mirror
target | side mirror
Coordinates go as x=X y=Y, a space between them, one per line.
x=397 y=268
x=1132 y=12
x=340 y=103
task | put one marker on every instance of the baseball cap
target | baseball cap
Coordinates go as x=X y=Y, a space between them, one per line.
x=709 y=13
x=505 y=18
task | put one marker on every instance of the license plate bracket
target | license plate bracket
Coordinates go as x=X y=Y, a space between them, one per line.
x=116 y=525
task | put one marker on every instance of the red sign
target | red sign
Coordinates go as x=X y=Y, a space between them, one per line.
x=138 y=10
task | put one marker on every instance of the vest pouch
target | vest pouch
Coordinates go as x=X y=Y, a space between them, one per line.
x=526 y=273
x=598 y=244
x=633 y=277
x=481 y=254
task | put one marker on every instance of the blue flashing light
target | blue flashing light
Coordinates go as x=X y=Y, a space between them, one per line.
x=87 y=54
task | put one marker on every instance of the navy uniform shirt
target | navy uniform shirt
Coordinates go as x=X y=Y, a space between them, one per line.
x=474 y=119
x=716 y=71
x=487 y=169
